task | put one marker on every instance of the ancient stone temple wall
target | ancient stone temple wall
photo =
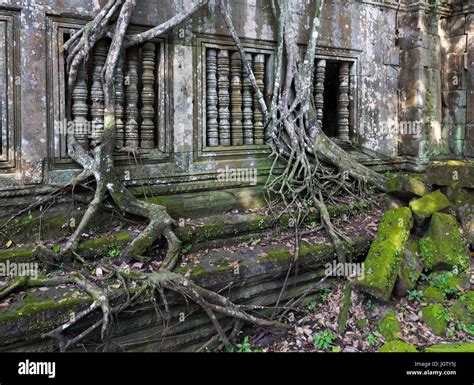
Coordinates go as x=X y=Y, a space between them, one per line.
x=186 y=103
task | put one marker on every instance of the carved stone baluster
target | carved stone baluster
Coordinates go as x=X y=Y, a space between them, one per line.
x=319 y=90
x=236 y=99
x=247 y=105
x=119 y=99
x=80 y=109
x=131 y=96
x=259 y=71
x=343 y=103
x=223 y=71
x=148 y=97
x=211 y=97
x=97 y=92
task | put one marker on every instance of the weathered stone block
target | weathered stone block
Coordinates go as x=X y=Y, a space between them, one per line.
x=389 y=326
x=451 y=348
x=463 y=201
x=463 y=309
x=451 y=173
x=405 y=186
x=433 y=317
x=433 y=295
x=442 y=247
x=424 y=207
x=397 y=347
x=385 y=257
x=454 y=26
x=469 y=142
x=410 y=270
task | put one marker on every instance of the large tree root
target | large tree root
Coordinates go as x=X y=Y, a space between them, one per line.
x=315 y=169
x=209 y=301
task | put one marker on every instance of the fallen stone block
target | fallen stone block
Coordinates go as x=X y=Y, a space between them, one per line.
x=463 y=309
x=406 y=187
x=434 y=317
x=425 y=207
x=467 y=347
x=463 y=202
x=433 y=295
x=385 y=257
x=410 y=270
x=442 y=247
x=451 y=173
x=397 y=347
x=389 y=326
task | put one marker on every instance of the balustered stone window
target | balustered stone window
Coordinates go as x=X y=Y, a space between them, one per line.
x=140 y=86
x=232 y=118
x=332 y=97
x=9 y=90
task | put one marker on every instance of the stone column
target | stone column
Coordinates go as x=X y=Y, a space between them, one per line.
x=259 y=72
x=223 y=71
x=131 y=95
x=80 y=109
x=147 y=133
x=319 y=78
x=343 y=103
x=236 y=99
x=119 y=99
x=211 y=98
x=97 y=92
x=247 y=106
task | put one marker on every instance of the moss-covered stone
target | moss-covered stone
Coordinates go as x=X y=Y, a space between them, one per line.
x=451 y=173
x=463 y=201
x=463 y=309
x=433 y=295
x=467 y=347
x=383 y=262
x=404 y=186
x=410 y=269
x=397 y=347
x=442 y=246
x=449 y=283
x=434 y=318
x=389 y=326
x=425 y=207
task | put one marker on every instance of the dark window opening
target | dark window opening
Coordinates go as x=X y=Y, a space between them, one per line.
x=331 y=87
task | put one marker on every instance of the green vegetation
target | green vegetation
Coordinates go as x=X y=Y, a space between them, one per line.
x=324 y=339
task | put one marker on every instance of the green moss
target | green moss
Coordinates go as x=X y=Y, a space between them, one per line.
x=467 y=347
x=31 y=307
x=16 y=254
x=463 y=309
x=100 y=246
x=448 y=283
x=424 y=207
x=361 y=323
x=434 y=318
x=451 y=173
x=406 y=186
x=386 y=253
x=389 y=326
x=433 y=295
x=411 y=267
x=442 y=247
x=397 y=347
